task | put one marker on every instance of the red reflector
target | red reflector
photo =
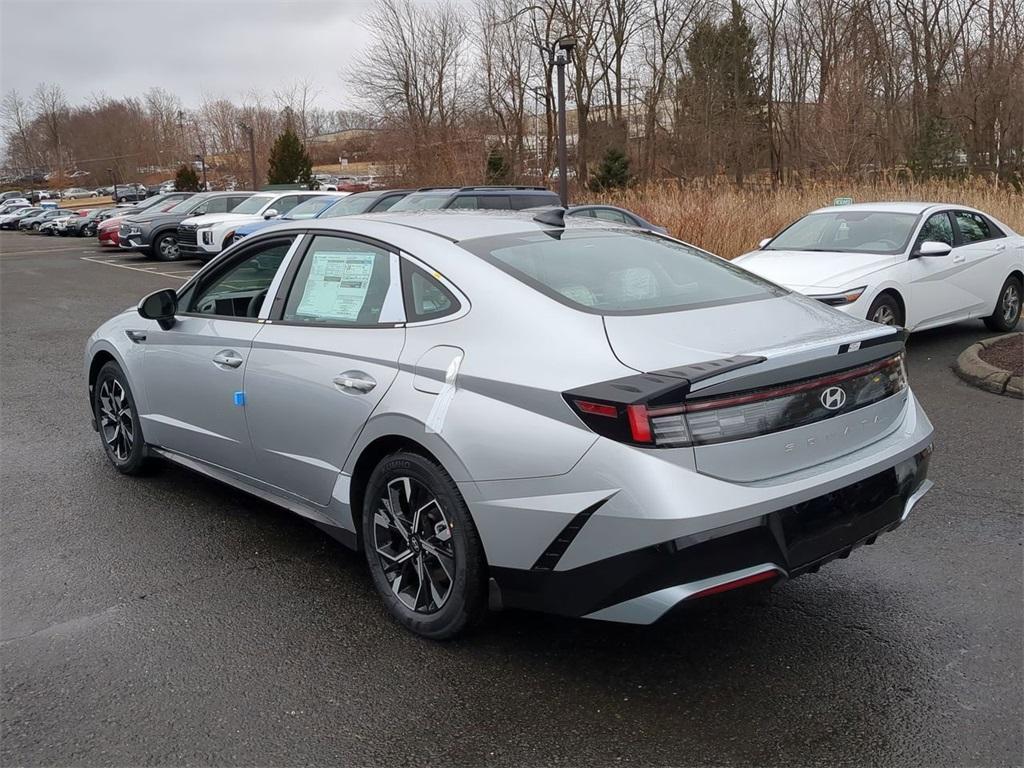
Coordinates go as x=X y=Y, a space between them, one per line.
x=639 y=424
x=757 y=577
x=598 y=409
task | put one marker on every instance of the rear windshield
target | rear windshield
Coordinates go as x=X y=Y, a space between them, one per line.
x=882 y=232
x=618 y=272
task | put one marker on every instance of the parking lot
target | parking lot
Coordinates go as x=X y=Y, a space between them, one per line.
x=173 y=620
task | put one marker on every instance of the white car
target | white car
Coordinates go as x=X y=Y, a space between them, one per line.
x=916 y=265
x=74 y=193
x=203 y=237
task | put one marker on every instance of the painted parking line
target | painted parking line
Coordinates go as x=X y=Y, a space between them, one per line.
x=149 y=270
x=40 y=250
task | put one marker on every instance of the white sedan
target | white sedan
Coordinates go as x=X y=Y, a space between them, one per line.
x=916 y=265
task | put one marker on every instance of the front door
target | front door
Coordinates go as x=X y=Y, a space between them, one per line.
x=323 y=362
x=194 y=371
x=935 y=297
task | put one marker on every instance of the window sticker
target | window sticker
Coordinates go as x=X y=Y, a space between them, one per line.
x=337 y=285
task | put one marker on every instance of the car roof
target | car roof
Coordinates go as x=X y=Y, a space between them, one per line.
x=890 y=207
x=455 y=225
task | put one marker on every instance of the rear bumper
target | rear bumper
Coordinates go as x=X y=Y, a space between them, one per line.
x=642 y=585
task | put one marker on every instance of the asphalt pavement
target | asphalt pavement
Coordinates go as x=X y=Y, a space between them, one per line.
x=168 y=620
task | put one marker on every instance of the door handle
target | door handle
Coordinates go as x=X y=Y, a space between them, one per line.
x=959 y=258
x=136 y=336
x=355 y=382
x=227 y=358
x=1001 y=247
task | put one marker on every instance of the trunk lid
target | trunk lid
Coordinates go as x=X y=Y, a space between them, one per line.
x=804 y=345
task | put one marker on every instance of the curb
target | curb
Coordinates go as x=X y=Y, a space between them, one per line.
x=976 y=371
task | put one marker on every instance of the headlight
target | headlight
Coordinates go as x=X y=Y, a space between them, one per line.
x=841 y=299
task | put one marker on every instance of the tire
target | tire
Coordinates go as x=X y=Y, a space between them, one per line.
x=114 y=409
x=439 y=541
x=886 y=311
x=35 y=227
x=122 y=199
x=1007 y=312
x=165 y=248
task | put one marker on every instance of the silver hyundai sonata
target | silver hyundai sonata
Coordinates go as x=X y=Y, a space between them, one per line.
x=509 y=410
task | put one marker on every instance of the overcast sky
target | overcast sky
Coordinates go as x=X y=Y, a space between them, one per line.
x=193 y=48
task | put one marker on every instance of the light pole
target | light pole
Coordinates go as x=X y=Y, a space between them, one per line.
x=252 y=151
x=536 y=126
x=113 y=181
x=559 y=53
x=202 y=160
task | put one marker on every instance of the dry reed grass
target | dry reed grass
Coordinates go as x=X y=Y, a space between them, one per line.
x=729 y=221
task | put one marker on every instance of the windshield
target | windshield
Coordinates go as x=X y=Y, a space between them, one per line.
x=357 y=203
x=423 y=201
x=252 y=204
x=881 y=232
x=310 y=208
x=188 y=204
x=619 y=272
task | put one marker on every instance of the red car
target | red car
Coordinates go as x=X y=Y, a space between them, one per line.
x=107 y=231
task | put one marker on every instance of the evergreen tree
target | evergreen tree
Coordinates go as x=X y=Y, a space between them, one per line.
x=186 y=179
x=723 y=65
x=498 y=171
x=289 y=161
x=613 y=171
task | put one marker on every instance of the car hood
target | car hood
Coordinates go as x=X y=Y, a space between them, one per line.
x=784 y=329
x=825 y=269
x=156 y=217
x=210 y=219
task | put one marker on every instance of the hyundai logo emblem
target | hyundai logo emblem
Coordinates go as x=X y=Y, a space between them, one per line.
x=833 y=398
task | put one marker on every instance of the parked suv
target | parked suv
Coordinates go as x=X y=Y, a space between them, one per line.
x=153 y=232
x=203 y=236
x=474 y=198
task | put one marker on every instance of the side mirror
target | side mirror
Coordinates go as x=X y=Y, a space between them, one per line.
x=270 y=213
x=160 y=306
x=764 y=242
x=933 y=248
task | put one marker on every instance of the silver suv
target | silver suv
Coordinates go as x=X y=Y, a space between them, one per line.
x=507 y=410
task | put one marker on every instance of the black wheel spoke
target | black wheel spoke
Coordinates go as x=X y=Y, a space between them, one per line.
x=412 y=538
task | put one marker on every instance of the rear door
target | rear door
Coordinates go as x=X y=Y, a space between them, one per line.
x=193 y=371
x=323 y=360
x=981 y=248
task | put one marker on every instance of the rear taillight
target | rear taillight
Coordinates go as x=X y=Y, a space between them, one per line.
x=692 y=420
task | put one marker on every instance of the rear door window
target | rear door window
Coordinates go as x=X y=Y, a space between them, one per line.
x=494 y=202
x=973 y=227
x=341 y=281
x=520 y=202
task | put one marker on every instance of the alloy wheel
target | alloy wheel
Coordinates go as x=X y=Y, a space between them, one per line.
x=1011 y=303
x=168 y=248
x=884 y=315
x=116 y=420
x=413 y=540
